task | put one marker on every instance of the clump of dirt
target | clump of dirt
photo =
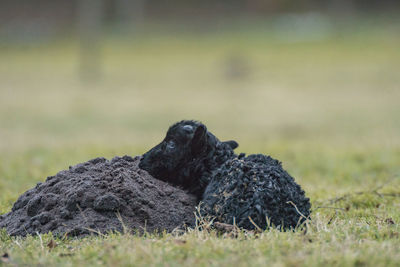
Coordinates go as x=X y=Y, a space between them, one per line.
x=100 y=196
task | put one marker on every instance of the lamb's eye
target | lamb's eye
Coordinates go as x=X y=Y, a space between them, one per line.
x=170 y=145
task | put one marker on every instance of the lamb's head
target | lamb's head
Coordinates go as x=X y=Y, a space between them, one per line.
x=184 y=140
x=185 y=146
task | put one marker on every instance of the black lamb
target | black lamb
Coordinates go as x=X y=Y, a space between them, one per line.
x=247 y=191
x=187 y=156
x=255 y=191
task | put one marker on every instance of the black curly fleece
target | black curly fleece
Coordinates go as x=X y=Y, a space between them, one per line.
x=257 y=187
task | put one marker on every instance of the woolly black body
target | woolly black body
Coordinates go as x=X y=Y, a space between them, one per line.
x=257 y=187
x=187 y=156
x=232 y=188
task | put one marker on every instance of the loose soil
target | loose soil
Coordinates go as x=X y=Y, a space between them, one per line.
x=100 y=196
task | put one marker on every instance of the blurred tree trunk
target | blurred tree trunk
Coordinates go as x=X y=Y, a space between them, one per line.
x=90 y=16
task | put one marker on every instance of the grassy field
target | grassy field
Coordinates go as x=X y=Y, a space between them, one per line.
x=327 y=106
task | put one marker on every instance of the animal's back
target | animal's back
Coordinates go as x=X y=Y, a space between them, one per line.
x=257 y=187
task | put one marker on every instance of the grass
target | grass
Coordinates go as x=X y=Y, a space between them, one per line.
x=327 y=108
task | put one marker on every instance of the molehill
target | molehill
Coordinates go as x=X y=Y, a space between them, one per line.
x=99 y=196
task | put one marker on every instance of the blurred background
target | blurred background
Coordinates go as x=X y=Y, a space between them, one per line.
x=305 y=81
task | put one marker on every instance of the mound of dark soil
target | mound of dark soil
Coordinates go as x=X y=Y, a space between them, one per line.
x=100 y=195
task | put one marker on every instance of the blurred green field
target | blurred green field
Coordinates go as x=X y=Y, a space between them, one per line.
x=327 y=107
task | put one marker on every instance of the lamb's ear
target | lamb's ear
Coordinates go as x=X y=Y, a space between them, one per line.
x=232 y=143
x=199 y=140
